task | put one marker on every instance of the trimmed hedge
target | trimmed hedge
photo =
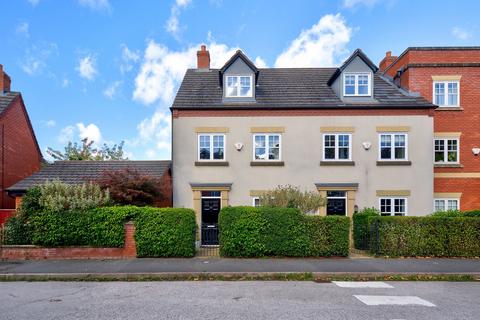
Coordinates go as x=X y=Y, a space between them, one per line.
x=425 y=236
x=99 y=227
x=263 y=231
x=361 y=232
x=165 y=232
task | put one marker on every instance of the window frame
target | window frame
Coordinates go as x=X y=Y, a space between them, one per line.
x=392 y=213
x=239 y=76
x=356 y=74
x=392 y=147
x=445 y=93
x=336 y=147
x=267 y=147
x=211 y=135
x=253 y=201
x=445 y=200
x=445 y=151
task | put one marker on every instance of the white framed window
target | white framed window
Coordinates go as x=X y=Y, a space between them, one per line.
x=446 y=150
x=255 y=201
x=444 y=204
x=446 y=93
x=211 y=147
x=392 y=206
x=393 y=146
x=267 y=147
x=337 y=147
x=239 y=86
x=357 y=84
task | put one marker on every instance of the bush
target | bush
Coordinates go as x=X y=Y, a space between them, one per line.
x=165 y=232
x=98 y=227
x=361 y=230
x=263 y=231
x=426 y=236
x=292 y=197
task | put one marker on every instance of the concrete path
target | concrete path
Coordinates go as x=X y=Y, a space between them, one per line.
x=239 y=300
x=202 y=265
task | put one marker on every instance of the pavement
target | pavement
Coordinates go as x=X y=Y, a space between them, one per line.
x=228 y=266
x=239 y=300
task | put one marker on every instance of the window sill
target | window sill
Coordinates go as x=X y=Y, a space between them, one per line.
x=448 y=165
x=337 y=163
x=449 y=109
x=267 y=163
x=394 y=163
x=211 y=163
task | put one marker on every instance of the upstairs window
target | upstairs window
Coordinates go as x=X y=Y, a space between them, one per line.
x=239 y=86
x=446 y=93
x=393 y=146
x=211 y=147
x=393 y=206
x=337 y=147
x=266 y=147
x=357 y=84
x=446 y=150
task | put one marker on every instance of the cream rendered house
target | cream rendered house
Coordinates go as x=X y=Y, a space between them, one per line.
x=347 y=132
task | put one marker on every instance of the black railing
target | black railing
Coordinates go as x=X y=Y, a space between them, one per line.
x=209 y=234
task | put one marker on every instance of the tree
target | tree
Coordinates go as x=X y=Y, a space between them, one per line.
x=86 y=151
x=292 y=197
x=131 y=187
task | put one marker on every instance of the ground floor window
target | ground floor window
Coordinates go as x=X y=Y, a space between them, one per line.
x=256 y=201
x=336 y=203
x=446 y=204
x=393 y=206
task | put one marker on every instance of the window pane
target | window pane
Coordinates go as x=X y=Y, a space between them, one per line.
x=336 y=194
x=256 y=202
x=453 y=94
x=400 y=148
x=452 y=204
x=386 y=207
x=349 y=84
x=439 y=205
x=260 y=148
x=245 y=87
x=218 y=148
x=211 y=193
x=439 y=150
x=385 y=147
x=329 y=143
x=362 y=84
x=274 y=147
x=439 y=94
x=232 y=86
x=452 y=150
x=399 y=207
x=204 y=146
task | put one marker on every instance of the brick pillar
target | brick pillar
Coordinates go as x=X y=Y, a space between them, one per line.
x=18 y=202
x=130 y=248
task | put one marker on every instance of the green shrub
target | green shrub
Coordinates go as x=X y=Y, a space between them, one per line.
x=165 y=232
x=292 y=197
x=426 y=236
x=361 y=230
x=448 y=213
x=265 y=231
x=472 y=213
x=98 y=227
x=328 y=236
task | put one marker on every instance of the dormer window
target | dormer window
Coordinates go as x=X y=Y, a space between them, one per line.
x=239 y=86
x=357 y=84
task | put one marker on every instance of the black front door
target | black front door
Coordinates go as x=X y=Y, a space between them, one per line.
x=210 y=211
x=336 y=203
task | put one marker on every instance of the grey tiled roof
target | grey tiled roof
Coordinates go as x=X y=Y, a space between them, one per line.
x=76 y=172
x=288 y=88
x=6 y=99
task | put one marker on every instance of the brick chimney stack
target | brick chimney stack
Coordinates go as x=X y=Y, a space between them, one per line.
x=4 y=81
x=203 y=58
x=387 y=61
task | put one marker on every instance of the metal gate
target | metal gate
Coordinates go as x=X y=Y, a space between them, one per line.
x=209 y=234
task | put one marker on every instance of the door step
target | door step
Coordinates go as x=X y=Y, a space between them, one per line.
x=208 y=252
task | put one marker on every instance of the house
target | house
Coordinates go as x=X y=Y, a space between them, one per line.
x=448 y=77
x=78 y=172
x=20 y=155
x=345 y=131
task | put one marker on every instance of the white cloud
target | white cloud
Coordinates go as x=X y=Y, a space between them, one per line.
x=324 y=44
x=260 y=63
x=86 y=67
x=173 y=23
x=112 y=89
x=36 y=57
x=34 y=2
x=354 y=3
x=461 y=33
x=66 y=134
x=91 y=132
x=157 y=129
x=22 y=29
x=95 y=4
x=65 y=83
x=129 y=57
x=50 y=123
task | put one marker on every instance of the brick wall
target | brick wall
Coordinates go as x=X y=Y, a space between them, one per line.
x=19 y=155
x=41 y=253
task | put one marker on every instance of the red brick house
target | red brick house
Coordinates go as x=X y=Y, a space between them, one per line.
x=20 y=155
x=450 y=78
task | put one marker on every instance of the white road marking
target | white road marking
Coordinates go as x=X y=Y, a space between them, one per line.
x=362 y=284
x=393 y=300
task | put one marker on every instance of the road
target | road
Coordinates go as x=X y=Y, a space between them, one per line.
x=239 y=300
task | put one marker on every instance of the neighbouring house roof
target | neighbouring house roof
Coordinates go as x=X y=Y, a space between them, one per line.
x=77 y=172
x=6 y=99
x=288 y=88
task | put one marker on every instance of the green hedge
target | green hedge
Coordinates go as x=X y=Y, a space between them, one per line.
x=361 y=232
x=99 y=227
x=262 y=231
x=165 y=232
x=425 y=236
